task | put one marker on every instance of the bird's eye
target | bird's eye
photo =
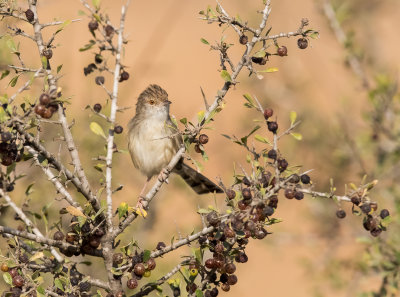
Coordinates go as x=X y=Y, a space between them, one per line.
x=151 y=101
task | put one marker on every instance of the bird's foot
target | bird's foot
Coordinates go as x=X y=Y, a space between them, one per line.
x=140 y=207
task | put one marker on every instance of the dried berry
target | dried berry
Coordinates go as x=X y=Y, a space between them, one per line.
x=272 y=126
x=298 y=195
x=302 y=43
x=246 y=193
x=151 y=264
x=242 y=204
x=47 y=113
x=232 y=280
x=94 y=241
x=117 y=259
x=282 y=51
x=282 y=164
x=124 y=76
x=225 y=287
x=260 y=234
x=219 y=248
x=268 y=112
x=231 y=194
x=97 y=107
x=268 y=211
x=212 y=218
x=203 y=138
x=139 y=269
x=366 y=208
x=132 y=283
x=384 y=213
x=99 y=80
x=305 y=179
x=260 y=60
x=375 y=232
x=58 y=235
x=93 y=25
x=243 y=39
x=210 y=263
x=241 y=258
x=30 y=16
x=160 y=245
x=230 y=268
x=4 y=267
x=44 y=99
x=109 y=30
x=84 y=286
x=355 y=200
x=272 y=154
x=176 y=292
x=228 y=232
x=370 y=223
x=341 y=214
x=48 y=53
x=214 y=292
x=223 y=278
x=197 y=149
x=18 y=281
x=289 y=193
x=6 y=136
x=118 y=129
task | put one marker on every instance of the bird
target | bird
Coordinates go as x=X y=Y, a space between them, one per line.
x=154 y=139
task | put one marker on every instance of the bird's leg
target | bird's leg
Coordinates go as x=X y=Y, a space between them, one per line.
x=139 y=204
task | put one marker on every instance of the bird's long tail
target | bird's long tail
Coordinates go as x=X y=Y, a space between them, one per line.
x=197 y=181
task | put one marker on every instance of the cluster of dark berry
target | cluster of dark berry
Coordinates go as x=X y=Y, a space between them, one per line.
x=18 y=282
x=372 y=221
x=108 y=32
x=47 y=106
x=281 y=51
x=88 y=236
x=11 y=150
x=202 y=140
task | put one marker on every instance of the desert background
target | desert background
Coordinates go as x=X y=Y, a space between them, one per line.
x=302 y=256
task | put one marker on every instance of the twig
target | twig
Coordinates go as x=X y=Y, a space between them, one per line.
x=24 y=87
x=29 y=223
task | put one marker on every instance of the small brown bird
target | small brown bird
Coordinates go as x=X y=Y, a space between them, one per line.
x=153 y=139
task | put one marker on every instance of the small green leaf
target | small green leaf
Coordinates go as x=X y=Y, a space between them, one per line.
x=59 y=68
x=7 y=278
x=261 y=139
x=226 y=76
x=293 y=116
x=386 y=221
x=96 y=129
x=13 y=81
x=123 y=209
x=146 y=255
x=5 y=73
x=249 y=99
x=58 y=284
x=200 y=116
x=314 y=35
x=204 y=41
x=96 y=3
x=297 y=136
x=269 y=70
x=260 y=54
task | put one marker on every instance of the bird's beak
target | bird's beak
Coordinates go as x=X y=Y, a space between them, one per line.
x=167 y=102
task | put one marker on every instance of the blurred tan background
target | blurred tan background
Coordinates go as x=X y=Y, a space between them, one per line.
x=165 y=48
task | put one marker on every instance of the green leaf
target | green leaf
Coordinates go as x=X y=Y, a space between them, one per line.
x=11 y=45
x=226 y=76
x=5 y=73
x=87 y=46
x=249 y=100
x=96 y=129
x=261 y=139
x=293 y=116
x=199 y=293
x=96 y=3
x=269 y=70
x=123 y=209
x=200 y=116
x=146 y=255
x=58 y=284
x=13 y=81
x=204 y=41
x=59 y=68
x=314 y=35
x=386 y=221
x=297 y=136
x=183 y=121
x=260 y=54
x=7 y=278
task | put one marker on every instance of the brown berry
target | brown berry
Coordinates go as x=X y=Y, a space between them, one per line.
x=132 y=283
x=242 y=205
x=282 y=164
x=384 y=213
x=341 y=214
x=243 y=39
x=39 y=109
x=197 y=149
x=355 y=200
x=230 y=268
x=118 y=258
x=228 y=232
x=232 y=280
x=124 y=76
x=213 y=219
x=268 y=112
x=302 y=43
x=282 y=51
x=305 y=179
x=94 y=241
x=97 y=107
x=231 y=194
x=58 y=235
x=376 y=232
x=18 y=281
x=151 y=264
x=219 y=248
x=30 y=16
x=366 y=208
x=210 y=263
x=44 y=99
x=4 y=267
x=93 y=25
x=298 y=195
x=109 y=30
x=272 y=126
x=289 y=193
x=139 y=269
x=225 y=287
x=118 y=129
x=272 y=154
x=161 y=245
x=48 y=53
x=203 y=138
x=47 y=113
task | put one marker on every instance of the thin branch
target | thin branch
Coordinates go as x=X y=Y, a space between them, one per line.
x=24 y=87
x=29 y=223
x=98 y=283
x=58 y=23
